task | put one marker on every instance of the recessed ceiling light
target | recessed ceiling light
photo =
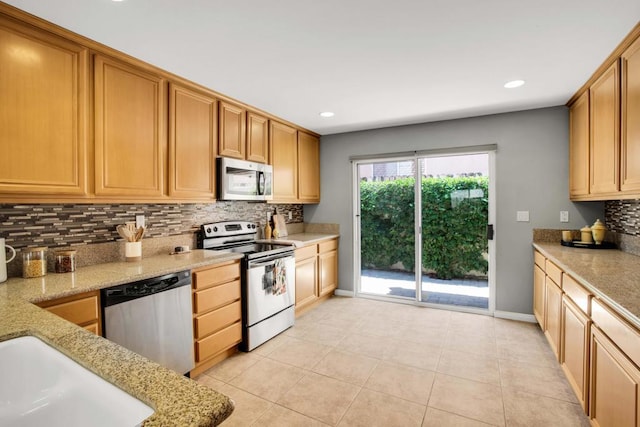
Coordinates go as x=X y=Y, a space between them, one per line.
x=513 y=84
x=327 y=114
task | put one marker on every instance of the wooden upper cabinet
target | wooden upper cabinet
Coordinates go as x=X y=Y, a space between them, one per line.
x=630 y=144
x=308 y=168
x=43 y=107
x=193 y=142
x=232 y=139
x=257 y=138
x=605 y=132
x=130 y=136
x=284 y=159
x=579 y=147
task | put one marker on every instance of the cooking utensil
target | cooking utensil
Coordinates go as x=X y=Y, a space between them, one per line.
x=124 y=232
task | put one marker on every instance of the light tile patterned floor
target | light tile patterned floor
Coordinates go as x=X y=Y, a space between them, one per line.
x=361 y=362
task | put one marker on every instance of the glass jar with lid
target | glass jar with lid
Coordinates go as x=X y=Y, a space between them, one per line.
x=34 y=262
x=65 y=261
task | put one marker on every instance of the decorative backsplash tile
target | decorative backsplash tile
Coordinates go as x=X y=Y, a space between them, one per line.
x=64 y=225
x=623 y=216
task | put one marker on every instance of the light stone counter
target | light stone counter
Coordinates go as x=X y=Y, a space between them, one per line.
x=611 y=275
x=302 y=239
x=176 y=400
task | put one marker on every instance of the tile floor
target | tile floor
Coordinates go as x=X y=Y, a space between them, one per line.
x=361 y=362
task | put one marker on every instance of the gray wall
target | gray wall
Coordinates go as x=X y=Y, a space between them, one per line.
x=531 y=174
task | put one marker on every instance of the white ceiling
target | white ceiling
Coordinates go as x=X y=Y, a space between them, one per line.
x=374 y=63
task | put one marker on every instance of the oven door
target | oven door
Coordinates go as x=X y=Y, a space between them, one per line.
x=270 y=287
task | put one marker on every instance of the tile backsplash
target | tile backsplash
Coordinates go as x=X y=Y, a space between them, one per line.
x=623 y=216
x=63 y=225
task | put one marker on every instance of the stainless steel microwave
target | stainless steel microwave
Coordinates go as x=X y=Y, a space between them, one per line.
x=243 y=180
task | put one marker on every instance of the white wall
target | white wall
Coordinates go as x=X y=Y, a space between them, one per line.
x=531 y=174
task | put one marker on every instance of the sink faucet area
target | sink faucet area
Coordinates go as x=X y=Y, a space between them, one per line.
x=42 y=386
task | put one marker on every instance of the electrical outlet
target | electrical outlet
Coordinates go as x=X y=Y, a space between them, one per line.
x=140 y=222
x=290 y=215
x=522 y=216
x=564 y=216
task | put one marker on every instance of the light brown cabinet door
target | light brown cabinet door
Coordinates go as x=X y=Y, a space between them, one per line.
x=43 y=86
x=574 y=355
x=193 y=144
x=306 y=281
x=130 y=135
x=579 y=147
x=257 y=138
x=233 y=124
x=615 y=385
x=605 y=132
x=552 y=321
x=328 y=267
x=630 y=150
x=284 y=159
x=538 y=295
x=308 y=168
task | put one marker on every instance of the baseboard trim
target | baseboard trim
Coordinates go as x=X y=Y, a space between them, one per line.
x=343 y=293
x=515 y=316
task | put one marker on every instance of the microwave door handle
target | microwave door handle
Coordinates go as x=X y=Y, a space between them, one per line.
x=261 y=183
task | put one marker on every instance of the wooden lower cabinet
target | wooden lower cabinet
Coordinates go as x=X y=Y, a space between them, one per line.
x=316 y=273
x=574 y=352
x=82 y=309
x=552 y=320
x=615 y=385
x=217 y=314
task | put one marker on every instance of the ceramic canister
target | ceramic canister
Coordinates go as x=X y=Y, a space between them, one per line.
x=4 y=260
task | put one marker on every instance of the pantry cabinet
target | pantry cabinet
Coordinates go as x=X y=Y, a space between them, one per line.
x=43 y=113
x=630 y=142
x=130 y=138
x=316 y=273
x=82 y=309
x=193 y=141
x=217 y=314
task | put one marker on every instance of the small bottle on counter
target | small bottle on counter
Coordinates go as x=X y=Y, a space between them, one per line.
x=65 y=261
x=34 y=262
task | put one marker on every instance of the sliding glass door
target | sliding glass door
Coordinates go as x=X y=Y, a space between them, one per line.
x=421 y=229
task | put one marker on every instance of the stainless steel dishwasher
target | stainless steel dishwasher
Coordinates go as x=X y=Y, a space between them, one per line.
x=153 y=317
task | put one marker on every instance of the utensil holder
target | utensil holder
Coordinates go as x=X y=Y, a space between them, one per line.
x=133 y=251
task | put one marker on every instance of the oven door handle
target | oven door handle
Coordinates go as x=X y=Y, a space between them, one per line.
x=272 y=261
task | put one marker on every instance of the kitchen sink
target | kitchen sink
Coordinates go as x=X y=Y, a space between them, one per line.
x=42 y=386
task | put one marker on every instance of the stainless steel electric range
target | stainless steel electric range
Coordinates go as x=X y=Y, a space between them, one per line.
x=268 y=278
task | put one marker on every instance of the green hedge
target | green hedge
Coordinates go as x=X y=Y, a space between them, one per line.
x=454 y=229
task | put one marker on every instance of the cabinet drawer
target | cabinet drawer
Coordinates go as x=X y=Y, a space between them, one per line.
x=213 y=276
x=539 y=259
x=579 y=295
x=217 y=296
x=620 y=332
x=331 y=245
x=554 y=272
x=220 y=341
x=217 y=319
x=80 y=311
x=306 y=252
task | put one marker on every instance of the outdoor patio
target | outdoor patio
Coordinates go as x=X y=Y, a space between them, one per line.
x=468 y=293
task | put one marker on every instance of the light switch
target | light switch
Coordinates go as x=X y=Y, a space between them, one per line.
x=522 y=216
x=140 y=222
x=564 y=216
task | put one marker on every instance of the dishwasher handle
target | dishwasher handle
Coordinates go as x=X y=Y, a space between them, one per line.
x=131 y=291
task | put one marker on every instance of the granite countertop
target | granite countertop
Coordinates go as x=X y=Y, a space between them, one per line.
x=611 y=275
x=175 y=399
x=303 y=239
